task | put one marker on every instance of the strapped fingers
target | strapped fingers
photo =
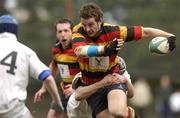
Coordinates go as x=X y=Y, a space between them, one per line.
x=120 y=44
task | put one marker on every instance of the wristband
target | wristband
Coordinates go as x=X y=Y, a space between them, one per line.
x=57 y=107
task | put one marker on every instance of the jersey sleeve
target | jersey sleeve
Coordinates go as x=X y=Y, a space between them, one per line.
x=127 y=75
x=82 y=49
x=36 y=66
x=131 y=33
x=78 y=40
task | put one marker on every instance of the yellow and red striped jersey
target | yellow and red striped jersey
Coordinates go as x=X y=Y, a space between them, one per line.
x=95 y=68
x=66 y=61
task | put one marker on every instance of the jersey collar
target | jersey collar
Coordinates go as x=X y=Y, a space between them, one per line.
x=8 y=35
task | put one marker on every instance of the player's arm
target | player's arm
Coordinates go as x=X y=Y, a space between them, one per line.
x=138 y=32
x=84 y=92
x=125 y=78
x=41 y=72
x=130 y=91
x=50 y=85
x=54 y=68
x=82 y=49
x=39 y=95
x=153 y=32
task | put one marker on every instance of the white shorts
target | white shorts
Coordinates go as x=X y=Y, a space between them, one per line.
x=17 y=110
x=78 y=109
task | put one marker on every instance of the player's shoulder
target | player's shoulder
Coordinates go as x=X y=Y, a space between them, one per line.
x=105 y=24
x=57 y=44
x=25 y=49
x=107 y=27
x=77 y=27
x=78 y=36
x=57 y=48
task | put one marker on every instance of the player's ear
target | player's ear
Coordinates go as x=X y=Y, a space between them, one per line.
x=100 y=20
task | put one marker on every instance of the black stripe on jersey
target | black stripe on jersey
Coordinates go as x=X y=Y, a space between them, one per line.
x=130 y=34
x=58 y=45
x=81 y=30
x=96 y=75
x=77 y=39
x=109 y=29
x=70 y=65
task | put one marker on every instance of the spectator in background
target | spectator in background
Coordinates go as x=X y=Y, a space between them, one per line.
x=174 y=101
x=164 y=92
x=142 y=96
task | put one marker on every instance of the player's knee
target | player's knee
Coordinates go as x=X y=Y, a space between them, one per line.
x=117 y=113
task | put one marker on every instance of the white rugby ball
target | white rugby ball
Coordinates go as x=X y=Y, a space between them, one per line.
x=159 y=45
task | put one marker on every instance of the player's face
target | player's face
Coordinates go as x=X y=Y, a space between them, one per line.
x=64 y=33
x=91 y=26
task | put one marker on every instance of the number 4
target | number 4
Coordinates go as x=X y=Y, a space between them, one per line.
x=12 y=63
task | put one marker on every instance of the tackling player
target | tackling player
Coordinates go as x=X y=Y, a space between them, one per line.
x=17 y=63
x=77 y=106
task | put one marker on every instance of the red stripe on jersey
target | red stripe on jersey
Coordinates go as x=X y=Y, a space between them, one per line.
x=74 y=71
x=89 y=81
x=76 y=44
x=113 y=57
x=69 y=52
x=66 y=57
x=109 y=37
x=129 y=112
x=138 y=32
x=55 y=50
x=83 y=60
x=97 y=77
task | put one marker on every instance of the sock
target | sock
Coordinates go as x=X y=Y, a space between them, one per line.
x=131 y=113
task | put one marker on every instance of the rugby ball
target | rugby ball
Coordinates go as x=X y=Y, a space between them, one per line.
x=159 y=45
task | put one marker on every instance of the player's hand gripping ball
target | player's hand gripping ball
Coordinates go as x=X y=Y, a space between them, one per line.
x=159 y=46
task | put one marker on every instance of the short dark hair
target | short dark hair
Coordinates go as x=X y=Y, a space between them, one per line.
x=64 y=20
x=91 y=10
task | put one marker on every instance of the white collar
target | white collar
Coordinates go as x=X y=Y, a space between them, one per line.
x=8 y=35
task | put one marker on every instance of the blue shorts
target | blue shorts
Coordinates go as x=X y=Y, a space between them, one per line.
x=98 y=101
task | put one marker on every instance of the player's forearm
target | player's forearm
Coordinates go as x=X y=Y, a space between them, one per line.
x=43 y=86
x=89 y=51
x=84 y=92
x=152 y=32
x=50 y=85
x=130 y=87
x=130 y=92
x=53 y=68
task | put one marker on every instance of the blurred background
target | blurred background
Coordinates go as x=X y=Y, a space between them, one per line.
x=36 y=24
